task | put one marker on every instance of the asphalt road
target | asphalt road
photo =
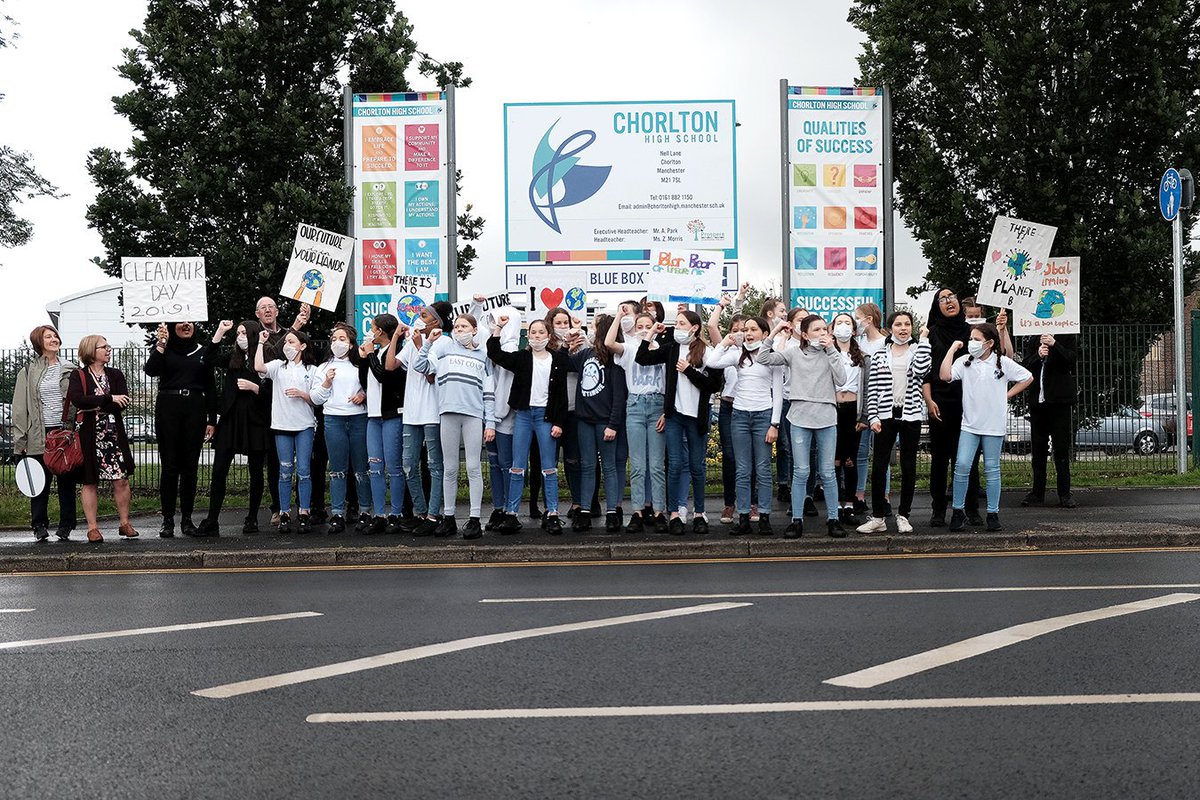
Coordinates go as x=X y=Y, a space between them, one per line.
x=116 y=717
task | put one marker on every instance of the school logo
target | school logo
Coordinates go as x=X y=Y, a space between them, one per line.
x=559 y=180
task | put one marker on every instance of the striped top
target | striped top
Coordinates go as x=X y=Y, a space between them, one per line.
x=880 y=399
x=464 y=378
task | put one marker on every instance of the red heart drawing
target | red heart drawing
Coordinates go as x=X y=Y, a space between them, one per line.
x=552 y=298
x=995 y=255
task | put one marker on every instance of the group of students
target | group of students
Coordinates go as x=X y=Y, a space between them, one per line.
x=627 y=398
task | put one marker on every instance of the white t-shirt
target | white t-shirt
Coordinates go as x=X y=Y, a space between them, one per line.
x=985 y=397
x=291 y=413
x=374 y=391
x=640 y=379
x=539 y=386
x=870 y=348
x=853 y=380
x=758 y=387
x=336 y=399
x=420 y=396
x=899 y=365
x=687 y=394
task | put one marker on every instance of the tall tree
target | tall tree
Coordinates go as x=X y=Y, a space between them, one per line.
x=1065 y=112
x=237 y=111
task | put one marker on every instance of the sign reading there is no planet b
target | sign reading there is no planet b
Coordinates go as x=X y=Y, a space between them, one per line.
x=164 y=289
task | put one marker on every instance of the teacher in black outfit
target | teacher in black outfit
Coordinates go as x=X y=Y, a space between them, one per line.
x=185 y=414
x=1051 y=359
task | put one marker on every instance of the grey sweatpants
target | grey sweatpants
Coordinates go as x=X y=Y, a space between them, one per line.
x=460 y=429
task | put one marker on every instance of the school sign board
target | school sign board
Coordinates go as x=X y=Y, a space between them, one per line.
x=834 y=140
x=399 y=144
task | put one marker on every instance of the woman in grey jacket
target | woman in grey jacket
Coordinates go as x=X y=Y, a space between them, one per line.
x=37 y=409
x=816 y=369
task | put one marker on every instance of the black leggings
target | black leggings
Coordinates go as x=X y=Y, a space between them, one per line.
x=846 y=450
x=220 y=476
x=909 y=434
x=179 y=422
x=943 y=447
x=1050 y=423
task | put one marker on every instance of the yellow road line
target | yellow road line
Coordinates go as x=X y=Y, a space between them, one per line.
x=603 y=563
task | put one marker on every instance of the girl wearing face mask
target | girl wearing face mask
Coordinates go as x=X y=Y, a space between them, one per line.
x=466 y=400
x=783 y=453
x=293 y=421
x=688 y=386
x=851 y=397
x=985 y=375
x=185 y=413
x=724 y=399
x=340 y=393
x=893 y=408
x=564 y=335
x=817 y=369
x=538 y=398
x=755 y=411
x=243 y=427
x=644 y=420
x=867 y=321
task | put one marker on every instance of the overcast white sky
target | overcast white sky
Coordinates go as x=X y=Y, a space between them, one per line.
x=60 y=78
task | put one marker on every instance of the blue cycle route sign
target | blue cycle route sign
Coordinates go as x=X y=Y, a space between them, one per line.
x=1170 y=193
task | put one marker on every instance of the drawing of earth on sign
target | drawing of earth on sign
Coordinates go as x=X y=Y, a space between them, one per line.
x=1017 y=262
x=576 y=299
x=408 y=308
x=313 y=280
x=1051 y=303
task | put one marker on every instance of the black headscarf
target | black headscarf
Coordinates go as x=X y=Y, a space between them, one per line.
x=184 y=347
x=943 y=332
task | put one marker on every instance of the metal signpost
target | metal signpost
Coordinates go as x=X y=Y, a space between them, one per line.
x=1175 y=194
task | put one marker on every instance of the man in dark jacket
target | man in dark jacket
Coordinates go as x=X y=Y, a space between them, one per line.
x=1051 y=359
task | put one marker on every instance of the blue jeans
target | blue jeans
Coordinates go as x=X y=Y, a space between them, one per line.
x=647 y=450
x=500 y=452
x=686 y=444
x=346 y=442
x=385 y=464
x=968 y=445
x=802 y=443
x=591 y=441
x=752 y=454
x=532 y=422
x=295 y=447
x=414 y=437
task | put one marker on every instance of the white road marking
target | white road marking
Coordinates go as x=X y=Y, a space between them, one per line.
x=978 y=645
x=759 y=708
x=441 y=648
x=843 y=593
x=190 y=626
x=16 y=610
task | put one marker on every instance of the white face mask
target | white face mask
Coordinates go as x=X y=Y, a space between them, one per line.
x=538 y=345
x=843 y=331
x=860 y=325
x=752 y=346
x=627 y=324
x=464 y=339
x=738 y=338
x=975 y=320
x=682 y=337
x=562 y=333
x=243 y=342
x=290 y=352
x=975 y=348
x=899 y=340
x=816 y=346
x=339 y=348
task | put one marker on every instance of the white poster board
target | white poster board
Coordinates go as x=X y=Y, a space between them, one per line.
x=317 y=269
x=164 y=289
x=686 y=276
x=1017 y=252
x=1054 y=307
x=410 y=295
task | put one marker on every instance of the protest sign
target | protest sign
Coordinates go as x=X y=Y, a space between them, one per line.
x=1018 y=250
x=164 y=289
x=1054 y=307
x=410 y=294
x=685 y=276
x=317 y=270
x=489 y=303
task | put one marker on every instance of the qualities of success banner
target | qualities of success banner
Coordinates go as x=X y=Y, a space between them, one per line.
x=400 y=182
x=835 y=175
x=614 y=181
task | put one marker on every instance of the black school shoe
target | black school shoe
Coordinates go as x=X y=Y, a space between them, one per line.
x=363 y=524
x=660 y=523
x=188 y=528
x=472 y=530
x=742 y=526
x=675 y=527
x=552 y=525
x=1065 y=501
x=958 y=520
x=250 y=525
x=337 y=524
x=1032 y=499
x=509 y=524
x=497 y=516
x=699 y=526
x=445 y=527
x=393 y=525
x=612 y=522
x=305 y=521
x=581 y=522
x=41 y=533
x=425 y=527
x=378 y=525
x=285 y=522
x=64 y=534
x=764 y=525
x=860 y=506
x=794 y=530
x=635 y=523
x=938 y=520
x=208 y=527
x=835 y=529
x=993 y=522
x=973 y=518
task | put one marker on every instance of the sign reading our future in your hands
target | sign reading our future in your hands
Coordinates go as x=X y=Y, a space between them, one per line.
x=318 y=267
x=164 y=289
x=612 y=181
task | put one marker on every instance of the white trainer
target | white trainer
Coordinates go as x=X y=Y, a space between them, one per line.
x=903 y=525
x=874 y=525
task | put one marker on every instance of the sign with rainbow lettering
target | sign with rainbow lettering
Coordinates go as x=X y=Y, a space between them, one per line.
x=400 y=182
x=835 y=192
x=1054 y=305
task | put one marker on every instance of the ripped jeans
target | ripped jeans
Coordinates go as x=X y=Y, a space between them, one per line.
x=384 y=463
x=346 y=442
x=532 y=422
x=295 y=446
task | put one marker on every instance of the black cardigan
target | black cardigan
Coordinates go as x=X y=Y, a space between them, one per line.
x=520 y=364
x=1060 y=369
x=392 y=383
x=668 y=353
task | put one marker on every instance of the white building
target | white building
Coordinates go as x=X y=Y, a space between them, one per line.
x=96 y=310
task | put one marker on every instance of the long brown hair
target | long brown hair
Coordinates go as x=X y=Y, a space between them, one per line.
x=856 y=353
x=696 y=347
x=555 y=342
x=602 y=324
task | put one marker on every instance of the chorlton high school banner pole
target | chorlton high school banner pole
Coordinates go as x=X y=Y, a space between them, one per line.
x=349 y=293
x=785 y=202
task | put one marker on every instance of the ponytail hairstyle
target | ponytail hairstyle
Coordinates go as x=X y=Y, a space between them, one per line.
x=855 y=352
x=990 y=333
x=895 y=315
x=602 y=324
x=696 y=347
x=763 y=326
x=871 y=312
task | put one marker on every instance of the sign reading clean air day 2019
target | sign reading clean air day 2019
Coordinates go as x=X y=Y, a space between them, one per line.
x=612 y=181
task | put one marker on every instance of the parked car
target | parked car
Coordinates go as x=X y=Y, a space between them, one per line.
x=1162 y=406
x=6 y=433
x=1017 y=438
x=139 y=429
x=1125 y=428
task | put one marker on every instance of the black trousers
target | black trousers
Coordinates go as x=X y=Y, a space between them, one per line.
x=1050 y=424
x=943 y=446
x=908 y=434
x=39 y=506
x=179 y=422
x=222 y=459
x=846 y=450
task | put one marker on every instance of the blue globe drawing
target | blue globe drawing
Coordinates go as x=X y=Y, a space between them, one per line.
x=313 y=279
x=408 y=308
x=576 y=299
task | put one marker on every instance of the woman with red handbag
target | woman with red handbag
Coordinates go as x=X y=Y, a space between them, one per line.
x=37 y=410
x=100 y=393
